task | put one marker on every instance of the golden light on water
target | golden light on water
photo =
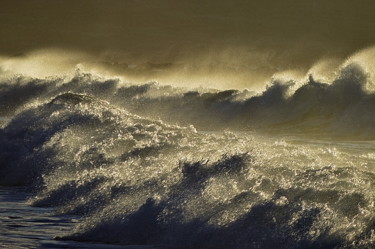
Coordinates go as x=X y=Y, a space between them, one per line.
x=207 y=73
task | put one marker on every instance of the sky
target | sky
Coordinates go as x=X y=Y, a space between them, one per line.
x=248 y=41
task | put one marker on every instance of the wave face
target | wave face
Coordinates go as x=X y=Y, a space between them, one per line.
x=98 y=148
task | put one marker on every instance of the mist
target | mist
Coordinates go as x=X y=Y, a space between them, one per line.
x=218 y=44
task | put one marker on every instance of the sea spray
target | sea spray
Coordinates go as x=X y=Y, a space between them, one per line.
x=129 y=160
x=342 y=108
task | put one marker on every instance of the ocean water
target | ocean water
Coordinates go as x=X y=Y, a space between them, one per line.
x=106 y=161
x=24 y=226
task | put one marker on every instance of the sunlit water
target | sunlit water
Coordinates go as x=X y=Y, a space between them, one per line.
x=109 y=162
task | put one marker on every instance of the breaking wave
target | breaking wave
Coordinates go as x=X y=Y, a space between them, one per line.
x=152 y=164
x=341 y=108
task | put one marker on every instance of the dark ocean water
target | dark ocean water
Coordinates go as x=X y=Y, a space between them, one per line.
x=112 y=162
x=24 y=226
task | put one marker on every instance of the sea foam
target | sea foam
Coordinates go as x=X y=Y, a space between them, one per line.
x=159 y=165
